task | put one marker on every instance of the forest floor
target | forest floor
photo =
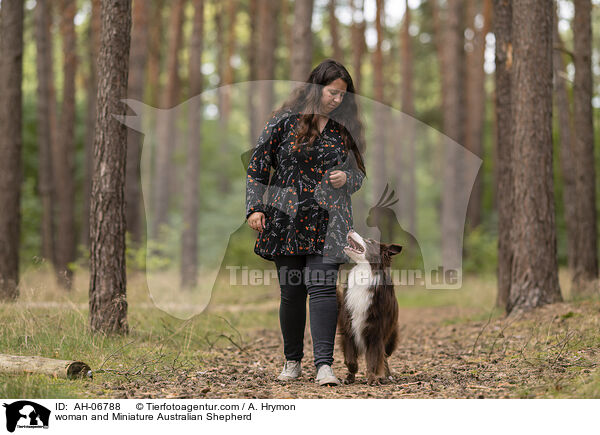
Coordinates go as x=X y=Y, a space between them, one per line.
x=453 y=345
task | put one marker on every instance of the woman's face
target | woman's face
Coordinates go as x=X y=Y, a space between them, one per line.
x=332 y=95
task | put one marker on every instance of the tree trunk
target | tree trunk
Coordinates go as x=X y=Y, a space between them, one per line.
x=452 y=63
x=335 y=36
x=405 y=158
x=301 y=55
x=359 y=45
x=139 y=57
x=225 y=45
x=46 y=122
x=268 y=15
x=37 y=365
x=108 y=304
x=90 y=122
x=11 y=75
x=380 y=176
x=586 y=235
x=166 y=132
x=287 y=24
x=154 y=52
x=565 y=127
x=189 y=237
x=65 y=151
x=534 y=269
x=252 y=51
x=504 y=147
x=475 y=99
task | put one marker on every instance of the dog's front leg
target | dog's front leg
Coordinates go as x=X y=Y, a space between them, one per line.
x=375 y=361
x=350 y=358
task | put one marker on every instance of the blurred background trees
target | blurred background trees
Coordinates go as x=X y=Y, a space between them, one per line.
x=449 y=63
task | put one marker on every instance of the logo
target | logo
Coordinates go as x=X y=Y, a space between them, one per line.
x=26 y=414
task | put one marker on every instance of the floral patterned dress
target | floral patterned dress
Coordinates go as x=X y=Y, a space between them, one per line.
x=304 y=213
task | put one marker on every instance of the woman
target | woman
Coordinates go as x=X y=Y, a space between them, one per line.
x=313 y=143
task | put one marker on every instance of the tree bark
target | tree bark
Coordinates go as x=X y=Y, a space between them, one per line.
x=268 y=15
x=405 y=158
x=92 y=91
x=359 y=45
x=335 y=36
x=380 y=175
x=301 y=55
x=20 y=364
x=107 y=296
x=65 y=151
x=586 y=235
x=189 y=237
x=534 y=268
x=137 y=79
x=565 y=127
x=154 y=52
x=46 y=126
x=166 y=131
x=452 y=64
x=475 y=99
x=252 y=51
x=11 y=76
x=504 y=150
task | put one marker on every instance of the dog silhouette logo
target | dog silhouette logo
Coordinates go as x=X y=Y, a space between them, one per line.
x=26 y=414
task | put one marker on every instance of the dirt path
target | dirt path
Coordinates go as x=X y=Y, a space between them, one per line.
x=533 y=355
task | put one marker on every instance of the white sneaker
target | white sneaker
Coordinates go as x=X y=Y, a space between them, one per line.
x=291 y=370
x=325 y=376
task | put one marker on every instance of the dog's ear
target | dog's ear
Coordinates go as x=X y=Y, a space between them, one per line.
x=394 y=249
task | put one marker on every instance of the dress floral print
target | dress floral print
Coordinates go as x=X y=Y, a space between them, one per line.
x=304 y=213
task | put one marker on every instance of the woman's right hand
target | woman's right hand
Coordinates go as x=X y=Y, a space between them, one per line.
x=257 y=221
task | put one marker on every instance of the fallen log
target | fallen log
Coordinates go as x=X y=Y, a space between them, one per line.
x=46 y=366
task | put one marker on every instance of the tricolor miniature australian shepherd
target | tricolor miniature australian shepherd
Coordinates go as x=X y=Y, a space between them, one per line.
x=368 y=310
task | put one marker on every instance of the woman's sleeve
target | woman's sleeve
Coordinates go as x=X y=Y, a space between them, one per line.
x=258 y=172
x=354 y=176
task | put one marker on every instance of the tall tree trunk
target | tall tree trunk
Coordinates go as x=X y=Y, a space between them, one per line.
x=65 y=151
x=359 y=45
x=452 y=63
x=252 y=51
x=287 y=25
x=301 y=56
x=475 y=99
x=108 y=302
x=139 y=57
x=154 y=52
x=166 y=131
x=335 y=36
x=405 y=158
x=565 y=127
x=226 y=49
x=189 y=237
x=534 y=268
x=46 y=122
x=504 y=153
x=586 y=235
x=90 y=122
x=380 y=176
x=11 y=76
x=268 y=14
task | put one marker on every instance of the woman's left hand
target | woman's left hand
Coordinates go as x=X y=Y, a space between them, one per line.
x=337 y=178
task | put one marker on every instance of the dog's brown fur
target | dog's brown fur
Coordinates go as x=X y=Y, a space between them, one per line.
x=380 y=330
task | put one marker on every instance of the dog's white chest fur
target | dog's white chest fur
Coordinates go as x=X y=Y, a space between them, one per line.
x=358 y=300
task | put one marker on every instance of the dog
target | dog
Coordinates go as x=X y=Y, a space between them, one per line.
x=368 y=309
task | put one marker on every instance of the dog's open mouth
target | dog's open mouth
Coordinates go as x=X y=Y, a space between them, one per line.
x=354 y=245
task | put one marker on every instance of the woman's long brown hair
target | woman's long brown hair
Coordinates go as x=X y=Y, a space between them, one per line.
x=306 y=99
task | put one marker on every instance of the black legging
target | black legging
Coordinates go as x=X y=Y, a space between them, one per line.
x=316 y=276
